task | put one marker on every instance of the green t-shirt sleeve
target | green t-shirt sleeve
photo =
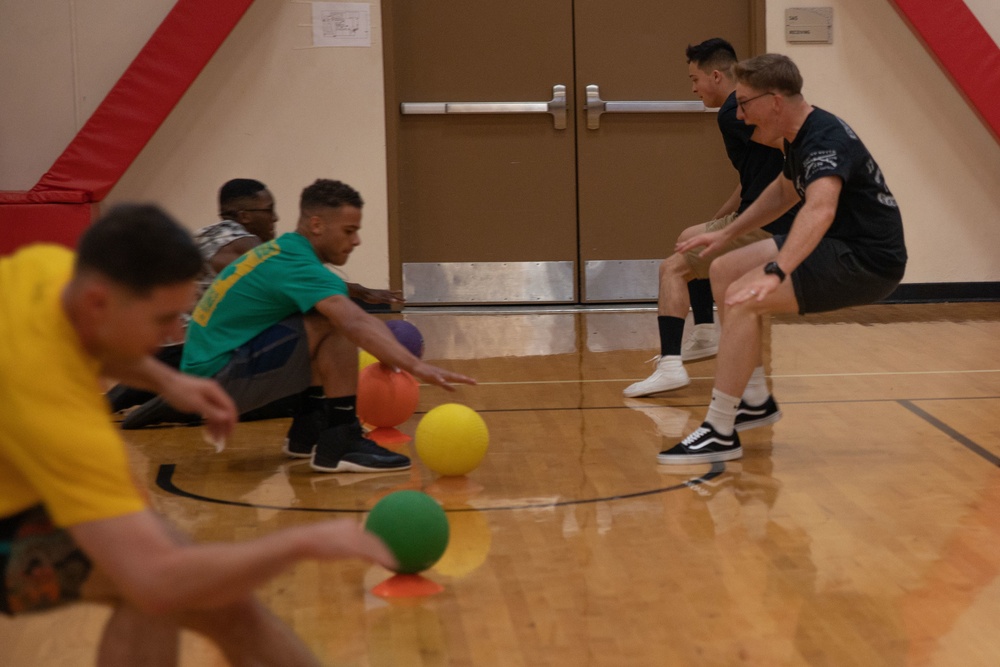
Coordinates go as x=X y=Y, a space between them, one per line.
x=309 y=284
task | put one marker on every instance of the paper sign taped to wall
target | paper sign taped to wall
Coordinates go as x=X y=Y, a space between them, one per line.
x=341 y=24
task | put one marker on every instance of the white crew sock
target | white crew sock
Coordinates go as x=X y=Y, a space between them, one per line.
x=722 y=412
x=756 y=392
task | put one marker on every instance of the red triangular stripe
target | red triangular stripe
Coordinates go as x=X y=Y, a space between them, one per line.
x=963 y=47
x=143 y=97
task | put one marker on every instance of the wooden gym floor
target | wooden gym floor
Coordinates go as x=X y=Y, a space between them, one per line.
x=862 y=529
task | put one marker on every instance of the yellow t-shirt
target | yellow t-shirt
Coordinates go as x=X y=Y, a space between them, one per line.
x=58 y=445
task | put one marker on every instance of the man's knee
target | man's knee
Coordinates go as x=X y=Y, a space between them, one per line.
x=723 y=271
x=691 y=231
x=676 y=265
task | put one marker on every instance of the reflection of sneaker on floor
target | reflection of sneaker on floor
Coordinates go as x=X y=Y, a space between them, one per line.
x=669 y=374
x=706 y=488
x=373 y=482
x=705 y=445
x=345 y=449
x=702 y=343
x=157 y=411
x=670 y=422
x=750 y=416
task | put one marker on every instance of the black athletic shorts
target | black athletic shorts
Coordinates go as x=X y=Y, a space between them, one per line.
x=831 y=277
x=40 y=565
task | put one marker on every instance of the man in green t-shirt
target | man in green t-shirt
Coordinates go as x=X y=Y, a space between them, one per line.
x=277 y=322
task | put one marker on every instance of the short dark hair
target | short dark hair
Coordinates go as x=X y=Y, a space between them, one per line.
x=715 y=53
x=771 y=71
x=140 y=247
x=325 y=193
x=235 y=190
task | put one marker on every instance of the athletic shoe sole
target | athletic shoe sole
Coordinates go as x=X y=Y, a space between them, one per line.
x=347 y=466
x=708 y=457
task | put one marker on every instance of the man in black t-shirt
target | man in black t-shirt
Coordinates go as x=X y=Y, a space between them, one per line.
x=845 y=247
x=683 y=277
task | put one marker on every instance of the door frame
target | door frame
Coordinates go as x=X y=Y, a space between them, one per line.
x=758 y=42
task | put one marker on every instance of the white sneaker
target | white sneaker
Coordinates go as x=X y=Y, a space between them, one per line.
x=669 y=374
x=703 y=342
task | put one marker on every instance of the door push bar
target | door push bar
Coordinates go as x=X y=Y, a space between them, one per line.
x=595 y=106
x=556 y=106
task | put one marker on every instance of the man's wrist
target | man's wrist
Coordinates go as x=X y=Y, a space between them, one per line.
x=773 y=269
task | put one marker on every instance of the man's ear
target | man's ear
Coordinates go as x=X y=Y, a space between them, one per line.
x=96 y=300
x=314 y=224
x=241 y=217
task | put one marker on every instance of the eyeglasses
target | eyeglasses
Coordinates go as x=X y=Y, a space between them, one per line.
x=743 y=103
x=269 y=209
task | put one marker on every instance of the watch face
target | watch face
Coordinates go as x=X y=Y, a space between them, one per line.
x=774 y=269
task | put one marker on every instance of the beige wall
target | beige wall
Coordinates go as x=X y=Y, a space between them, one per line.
x=271 y=107
x=60 y=58
x=938 y=158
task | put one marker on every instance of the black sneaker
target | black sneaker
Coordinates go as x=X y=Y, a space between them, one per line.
x=304 y=432
x=750 y=416
x=157 y=411
x=346 y=449
x=705 y=445
x=122 y=397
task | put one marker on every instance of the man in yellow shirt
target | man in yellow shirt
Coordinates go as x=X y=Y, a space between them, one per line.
x=73 y=524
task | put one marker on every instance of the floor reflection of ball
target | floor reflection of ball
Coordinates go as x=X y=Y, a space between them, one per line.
x=452 y=439
x=468 y=544
x=414 y=527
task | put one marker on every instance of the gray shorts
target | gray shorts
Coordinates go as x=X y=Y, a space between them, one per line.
x=272 y=365
x=831 y=277
x=699 y=265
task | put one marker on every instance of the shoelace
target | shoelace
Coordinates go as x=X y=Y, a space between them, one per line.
x=654 y=360
x=698 y=432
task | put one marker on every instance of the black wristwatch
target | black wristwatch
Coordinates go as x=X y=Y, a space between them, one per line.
x=774 y=269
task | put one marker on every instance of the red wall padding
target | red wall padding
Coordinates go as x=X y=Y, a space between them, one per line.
x=963 y=47
x=24 y=221
x=121 y=126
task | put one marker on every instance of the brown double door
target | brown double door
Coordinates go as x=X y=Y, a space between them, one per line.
x=548 y=151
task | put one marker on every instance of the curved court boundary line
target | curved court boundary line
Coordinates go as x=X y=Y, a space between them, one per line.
x=165 y=481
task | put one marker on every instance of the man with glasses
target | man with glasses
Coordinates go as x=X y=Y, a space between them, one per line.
x=276 y=322
x=683 y=277
x=845 y=247
x=247 y=218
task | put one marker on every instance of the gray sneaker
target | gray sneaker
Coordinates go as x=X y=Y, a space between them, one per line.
x=702 y=343
x=669 y=374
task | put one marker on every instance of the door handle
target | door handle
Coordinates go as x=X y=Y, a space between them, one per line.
x=595 y=106
x=556 y=106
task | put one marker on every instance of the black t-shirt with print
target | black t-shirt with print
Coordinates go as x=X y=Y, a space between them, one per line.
x=867 y=217
x=758 y=165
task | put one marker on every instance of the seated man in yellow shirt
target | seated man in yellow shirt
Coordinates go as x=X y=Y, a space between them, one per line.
x=73 y=524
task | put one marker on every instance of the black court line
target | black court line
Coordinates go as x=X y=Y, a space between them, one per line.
x=968 y=443
x=165 y=474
